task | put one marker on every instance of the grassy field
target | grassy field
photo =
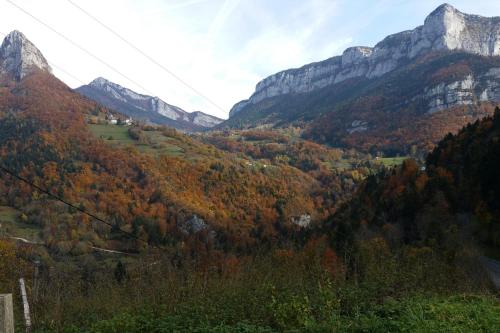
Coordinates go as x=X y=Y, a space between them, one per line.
x=12 y=226
x=163 y=145
x=113 y=133
x=178 y=146
x=119 y=136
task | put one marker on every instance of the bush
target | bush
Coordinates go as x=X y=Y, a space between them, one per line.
x=415 y=314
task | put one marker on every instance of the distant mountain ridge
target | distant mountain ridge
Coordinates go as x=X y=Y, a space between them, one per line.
x=167 y=184
x=19 y=58
x=445 y=29
x=407 y=92
x=147 y=108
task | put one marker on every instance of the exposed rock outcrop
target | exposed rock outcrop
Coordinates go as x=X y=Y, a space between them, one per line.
x=193 y=225
x=19 y=57
x=464 y=92
x=302 y=221
x=141 y=106
x=445 y=29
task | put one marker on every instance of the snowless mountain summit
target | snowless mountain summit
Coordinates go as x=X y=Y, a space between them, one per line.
x=19 y=57
x=445 y=29
x=143 y=107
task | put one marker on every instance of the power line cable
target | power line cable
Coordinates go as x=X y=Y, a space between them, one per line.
x=58 y=198
x=151 y=59
x=13 y=174
x=66 y=72
x=53 y=65
x=79 y=46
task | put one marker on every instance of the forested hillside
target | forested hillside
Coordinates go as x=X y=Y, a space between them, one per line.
x=156 y=185
x=343 y=196
x=399 y=96
x=402 y=244
x=406 y=242
x=389 y=114
x=453 y=203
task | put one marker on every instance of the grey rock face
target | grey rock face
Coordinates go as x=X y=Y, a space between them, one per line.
x=491 y=89
x=122 y=99
x=445 y=96
x=358 y=126
x=464 y=92
x=205 y=120
x=302 y=221
x=445 y=29
x=193 y=225
x=19 y=57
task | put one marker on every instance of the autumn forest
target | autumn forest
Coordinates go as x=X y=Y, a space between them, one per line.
x=360 y=193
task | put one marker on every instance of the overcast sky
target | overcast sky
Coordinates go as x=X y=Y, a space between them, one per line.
x=222 y=48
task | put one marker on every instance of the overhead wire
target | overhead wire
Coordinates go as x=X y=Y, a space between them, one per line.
x=81 y=48
x=147 y=56
x=58 y=198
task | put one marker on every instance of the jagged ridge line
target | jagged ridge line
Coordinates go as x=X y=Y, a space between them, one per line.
x=157 y=63
x=56 y=66
x=69 y=40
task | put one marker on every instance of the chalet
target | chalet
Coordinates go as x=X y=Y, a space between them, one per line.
x=111 y=119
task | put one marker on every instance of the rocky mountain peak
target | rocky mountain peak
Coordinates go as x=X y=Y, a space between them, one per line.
x=19 y=56
x=448 y=23
x=148 y=108
x=99 y=82
x=445 y=29
x=444 y=8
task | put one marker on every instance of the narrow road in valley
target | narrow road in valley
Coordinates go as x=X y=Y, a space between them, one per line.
x=24 y=240
x=493 y=268
x=109 y=251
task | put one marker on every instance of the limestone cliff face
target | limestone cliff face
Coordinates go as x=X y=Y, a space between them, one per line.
x=19 y=57
x=143 y=107
x=445 y=29
x=466 y=91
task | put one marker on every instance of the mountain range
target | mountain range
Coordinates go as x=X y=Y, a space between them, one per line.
x=19 y=57
x=148 y=229
x=367 y=97
x=146 y=108
x=403 y=94
x=147 y=181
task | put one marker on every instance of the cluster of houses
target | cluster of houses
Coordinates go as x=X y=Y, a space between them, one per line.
x=112 y=120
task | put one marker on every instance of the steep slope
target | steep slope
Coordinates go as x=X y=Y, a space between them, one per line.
x=44 y=137
x=454 y=201
x=364 y=77
x=411 y=108
x=19 y=57
x=146 y=108
x=210 y=199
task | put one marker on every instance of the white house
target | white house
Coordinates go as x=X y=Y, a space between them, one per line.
x=111 y=119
